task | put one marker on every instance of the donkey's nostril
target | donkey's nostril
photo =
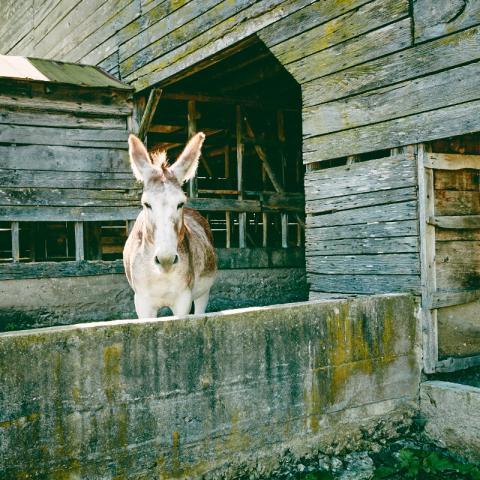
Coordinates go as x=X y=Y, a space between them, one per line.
x=157 y=261
x=175 y=259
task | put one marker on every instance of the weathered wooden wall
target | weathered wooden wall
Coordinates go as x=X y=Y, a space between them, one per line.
x=63 y=152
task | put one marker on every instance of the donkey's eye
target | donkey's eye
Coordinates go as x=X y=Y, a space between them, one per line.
x=180 y=205
x=147 y=205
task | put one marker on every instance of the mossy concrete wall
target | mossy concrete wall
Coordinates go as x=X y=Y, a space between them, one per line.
x=44 y=302
x=213 y=396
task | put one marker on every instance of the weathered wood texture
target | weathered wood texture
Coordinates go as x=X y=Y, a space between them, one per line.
x=362 y=227
x=63 y=153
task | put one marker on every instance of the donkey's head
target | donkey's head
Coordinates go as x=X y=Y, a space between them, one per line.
x=163 y=198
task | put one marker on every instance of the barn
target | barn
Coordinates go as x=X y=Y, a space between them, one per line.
x=342 y=156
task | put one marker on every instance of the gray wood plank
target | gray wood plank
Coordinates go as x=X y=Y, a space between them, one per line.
x=456 y=222
x=67 y=214
x=376 y=213
x=356 y=22
x=424 y=59
x=26 y=135
x=382 y=264
x=363 y=177
x=398 y=100
x=361 y=49
x=455 y=120
x=435 y=19
x=448 y=299
x=360 y=246
x=364 y=284
x=64 y=120
x=62 y=158
x=382 y=197
x=394 y=229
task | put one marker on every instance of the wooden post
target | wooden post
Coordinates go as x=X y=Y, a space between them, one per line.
x=284 y=230
x=228 y=230
x=281 y=139
x=149 y=112
x=265 y=229
x=242 y=216
x=427 y=258
x=227 y=161
x=130 y=224
x=15 y=228
x=79 y=247
x=192 y=129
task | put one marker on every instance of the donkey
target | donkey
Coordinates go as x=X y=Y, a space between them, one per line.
x=169 y=258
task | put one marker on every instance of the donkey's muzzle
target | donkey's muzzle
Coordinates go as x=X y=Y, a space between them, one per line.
x=166 y=262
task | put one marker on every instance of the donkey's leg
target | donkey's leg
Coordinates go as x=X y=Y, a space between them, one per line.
x=201 y=303
x=144 y=307
x=183 y=304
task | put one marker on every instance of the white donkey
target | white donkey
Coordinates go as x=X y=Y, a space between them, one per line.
x=169 y=257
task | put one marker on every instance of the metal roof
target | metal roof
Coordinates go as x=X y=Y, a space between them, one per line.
x=58 y=72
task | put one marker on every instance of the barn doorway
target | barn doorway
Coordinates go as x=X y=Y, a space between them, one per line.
x=250 y=179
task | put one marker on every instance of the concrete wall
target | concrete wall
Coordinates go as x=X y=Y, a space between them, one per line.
x=451 y=413
x=217 y=395
x=32 y=303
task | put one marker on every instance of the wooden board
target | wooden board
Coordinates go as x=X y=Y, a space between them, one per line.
x=424 y=59
x=452 y=161
x=435 y=18
x=369 y=46
x=454 y=120
x=399 y=100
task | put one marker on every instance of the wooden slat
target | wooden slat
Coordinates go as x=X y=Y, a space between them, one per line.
x=284 y=227
x=369 y=46
x=365 y=177
x=360 y=246
x=383 y=264
x=448 y=299
x=76 y=137
x=363 y=19
x=15 y=241
x=79 y=242
x=399 y=100
x=425 y=59
x=435 y=19
x=443 y=122
x=461 y=180
x=377 y=213
x=451 y=202
x=452 y=161
x=363 y=284
x=452 y=221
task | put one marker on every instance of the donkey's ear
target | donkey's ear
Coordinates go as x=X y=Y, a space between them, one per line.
x=139 y=159
x=186 y=165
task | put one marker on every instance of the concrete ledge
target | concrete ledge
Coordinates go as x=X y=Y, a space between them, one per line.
x=452 y=413
x=214 y=396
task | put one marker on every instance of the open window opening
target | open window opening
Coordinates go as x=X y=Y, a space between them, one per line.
x=250 y=178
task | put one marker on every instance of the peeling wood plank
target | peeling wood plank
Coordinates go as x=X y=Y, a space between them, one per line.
x=364 y=284
x=360 y=246
x=389 y=229
x=435 y=19
x=452 y=161
x=455 y=120
x=356 y=22
x=377 y=213
x=364 y=48
x=425 y=59
x=399 y=100
x=360 y=178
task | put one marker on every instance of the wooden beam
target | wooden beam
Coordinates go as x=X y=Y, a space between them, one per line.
x=284 y=220
x=462 y=222
x=454 y=364
x=242 y=217
x=149 y=112
x=228 y=230
x=452 y=161
x=15 y=229
x=79 y=243
x=449 y=299
x=192 y=130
